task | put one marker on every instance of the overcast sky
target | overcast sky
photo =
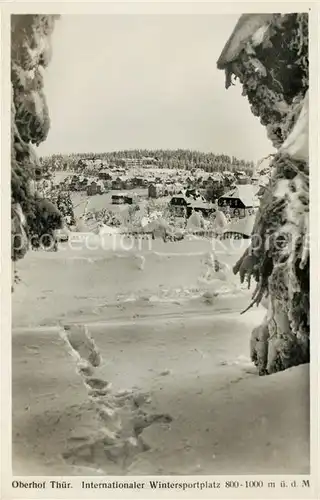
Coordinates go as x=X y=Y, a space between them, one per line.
x=133 y=81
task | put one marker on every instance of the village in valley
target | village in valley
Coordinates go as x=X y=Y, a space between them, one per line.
x=131 y=190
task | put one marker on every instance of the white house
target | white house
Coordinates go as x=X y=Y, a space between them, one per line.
x=240 y=201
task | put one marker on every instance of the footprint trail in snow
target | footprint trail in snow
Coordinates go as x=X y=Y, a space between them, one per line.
x=121 y=416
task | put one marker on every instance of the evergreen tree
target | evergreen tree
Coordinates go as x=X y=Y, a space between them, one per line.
x=275 y=78
x=65 y=207
x=30 y=53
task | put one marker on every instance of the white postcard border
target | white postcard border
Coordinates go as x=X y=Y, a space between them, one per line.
x=83 y=8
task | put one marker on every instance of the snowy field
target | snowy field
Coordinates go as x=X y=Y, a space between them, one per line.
x=60 y=175
x=96 y=202
x=101 y=201
x=93 y=276
x=165 y=324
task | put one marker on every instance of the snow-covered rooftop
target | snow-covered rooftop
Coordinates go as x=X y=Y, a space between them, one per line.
x=247 y=193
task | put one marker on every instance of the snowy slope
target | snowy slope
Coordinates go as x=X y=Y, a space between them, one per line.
x=91 y=281
x=159 y=333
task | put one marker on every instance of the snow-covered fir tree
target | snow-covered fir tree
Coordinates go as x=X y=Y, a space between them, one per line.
x=268 y=53
x=32 y=215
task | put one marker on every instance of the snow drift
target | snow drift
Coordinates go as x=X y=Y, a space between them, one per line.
x=92 y=271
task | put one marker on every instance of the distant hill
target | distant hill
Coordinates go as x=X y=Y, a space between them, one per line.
x=175 y=159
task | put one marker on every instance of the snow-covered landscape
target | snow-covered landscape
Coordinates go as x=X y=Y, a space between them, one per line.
x=165 y=330
x=151 y=335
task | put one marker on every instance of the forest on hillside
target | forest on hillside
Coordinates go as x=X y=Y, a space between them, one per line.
x=172 y=159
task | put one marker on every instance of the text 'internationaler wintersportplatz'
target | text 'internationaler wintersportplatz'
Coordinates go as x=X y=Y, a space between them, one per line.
x=150 y=485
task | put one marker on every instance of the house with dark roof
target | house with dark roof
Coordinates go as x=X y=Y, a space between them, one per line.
x=95 y=187
x=104 y=174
